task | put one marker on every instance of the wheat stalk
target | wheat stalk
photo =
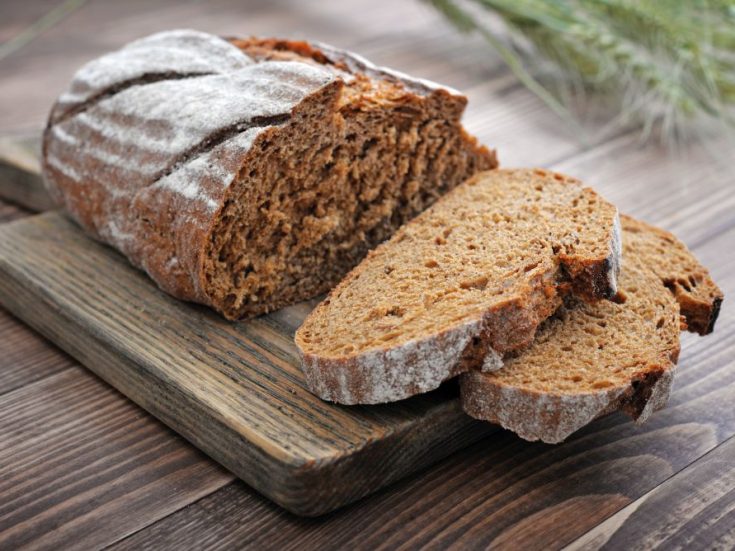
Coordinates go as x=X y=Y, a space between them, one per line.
x=662 y=62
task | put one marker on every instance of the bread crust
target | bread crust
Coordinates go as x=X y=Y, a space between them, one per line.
x=698 y=296
x=136 y=160
x=552 y=417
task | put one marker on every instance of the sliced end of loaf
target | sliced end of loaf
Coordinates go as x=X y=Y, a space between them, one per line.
x=303 y=159
x=341 y=175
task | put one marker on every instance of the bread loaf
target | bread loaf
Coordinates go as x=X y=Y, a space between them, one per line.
x=250 y=174
x=478 y=271
x=592 y=359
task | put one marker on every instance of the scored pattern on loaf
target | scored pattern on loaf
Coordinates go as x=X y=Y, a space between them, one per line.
x=124 y=154
x=166 y=55
x=146 y=147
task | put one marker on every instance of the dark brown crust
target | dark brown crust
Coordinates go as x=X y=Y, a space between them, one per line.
x=698 y=296
x=641 y=390
x=594 y=277
x=269 y=48
x=701 y=315
x=713 y=315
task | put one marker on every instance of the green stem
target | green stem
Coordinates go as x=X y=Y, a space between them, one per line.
x=45 y=22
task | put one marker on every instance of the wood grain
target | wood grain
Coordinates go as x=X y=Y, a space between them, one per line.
x=20 y=179
x=26 y=356
x=81 y=466
x=234 y=390
x=503 y=492
x=9 y=212
x=693 y=510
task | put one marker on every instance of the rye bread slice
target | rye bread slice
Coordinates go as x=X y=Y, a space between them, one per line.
x=479 y=270
x=593 y=359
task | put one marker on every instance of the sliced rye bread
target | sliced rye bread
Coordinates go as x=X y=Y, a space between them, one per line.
x=593 y=359
x=479 y=270
x=250 y=174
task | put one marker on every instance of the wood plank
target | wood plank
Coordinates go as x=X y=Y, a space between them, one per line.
x=10 y=212
x=234 y=390
x=57 y=516
x=26 y=356
x=695 y=509
x=81 y=466
x=20 y=179
x=502 y=491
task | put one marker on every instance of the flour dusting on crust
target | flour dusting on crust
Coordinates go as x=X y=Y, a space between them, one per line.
x=387 y=375
x=144 y=146
x=137 y=147
x=169 y=52
x=534 y=416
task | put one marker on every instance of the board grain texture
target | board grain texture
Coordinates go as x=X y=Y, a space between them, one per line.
x=233 y=389
x=83 y=467
x=20 y=173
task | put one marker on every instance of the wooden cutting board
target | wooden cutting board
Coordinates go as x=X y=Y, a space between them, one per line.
x=235 y=390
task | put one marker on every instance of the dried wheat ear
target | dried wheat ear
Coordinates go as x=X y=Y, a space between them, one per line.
x=592 y=359
x=478 y=271
x=250 y=174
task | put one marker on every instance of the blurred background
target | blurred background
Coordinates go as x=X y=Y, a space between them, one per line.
x=626 y=95
x=567 y=73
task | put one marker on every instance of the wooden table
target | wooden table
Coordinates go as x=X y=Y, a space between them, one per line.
x=82 y=467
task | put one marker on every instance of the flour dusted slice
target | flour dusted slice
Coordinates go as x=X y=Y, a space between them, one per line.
x=592 y=359
x=250 y=174
x=479 y=270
